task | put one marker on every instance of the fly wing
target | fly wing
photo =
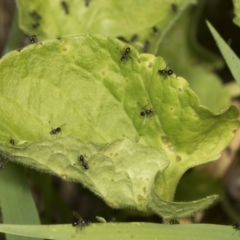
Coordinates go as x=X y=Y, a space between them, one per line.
x=77 y=215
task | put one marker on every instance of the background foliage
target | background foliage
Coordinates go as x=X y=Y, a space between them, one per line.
x=162 y=31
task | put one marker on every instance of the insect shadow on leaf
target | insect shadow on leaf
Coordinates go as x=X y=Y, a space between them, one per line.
x=174 y=7
x=146 y=46
x=35 y=25
x=35 y=15
x=12 y=141
x=87 y=2
x=133 y=39
x=65 y=7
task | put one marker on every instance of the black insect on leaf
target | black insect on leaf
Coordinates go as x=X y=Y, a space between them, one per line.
x=80 y=223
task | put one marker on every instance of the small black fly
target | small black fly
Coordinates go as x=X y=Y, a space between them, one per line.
x=83 y=162
x=32 y=39
x=57 y=130
x=236 y=226
x=125 y=53
x=12 y=141
x=166 y=71
x=146 y=112
x=80 y=223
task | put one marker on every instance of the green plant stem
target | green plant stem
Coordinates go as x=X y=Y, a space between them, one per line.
x=15 y=35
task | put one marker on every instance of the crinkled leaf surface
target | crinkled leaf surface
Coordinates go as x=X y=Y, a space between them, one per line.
x=126 y=231
x=107 y=17
x=186 y=57
x=121 y=173
x=82 y=83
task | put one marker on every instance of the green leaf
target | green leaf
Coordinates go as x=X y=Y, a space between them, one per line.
x=107 y=17
x=126 y=231
x=176 y=210
x=81 y=83
x=230 y=57
x=121 y=172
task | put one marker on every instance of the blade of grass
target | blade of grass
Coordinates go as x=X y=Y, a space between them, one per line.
x=230 y=57
x=115 y=231
x=16 y=200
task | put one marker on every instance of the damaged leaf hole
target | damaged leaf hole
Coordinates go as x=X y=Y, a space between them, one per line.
x=150 y=65
x=178 y=158
x=164 y=139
